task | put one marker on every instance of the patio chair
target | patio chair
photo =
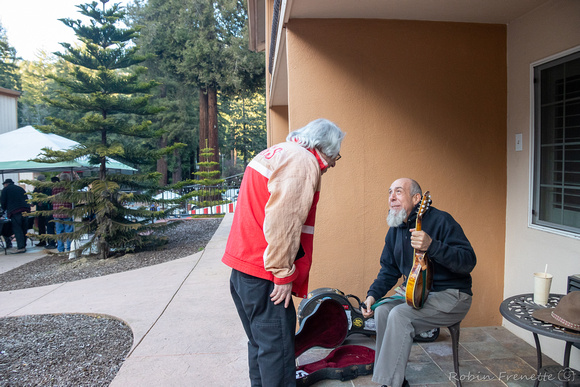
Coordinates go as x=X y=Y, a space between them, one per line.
x=454 y=332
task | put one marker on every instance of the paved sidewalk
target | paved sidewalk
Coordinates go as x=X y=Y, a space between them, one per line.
x=186 y=330
x=10 y=261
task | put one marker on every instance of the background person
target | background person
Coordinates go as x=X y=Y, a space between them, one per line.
x=453 y=260
x=270 y=245
x=62 y=219
x=14 y=202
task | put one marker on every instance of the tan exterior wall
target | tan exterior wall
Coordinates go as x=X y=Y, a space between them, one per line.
x=278 y=118
x=425 y=100
x=548 y=31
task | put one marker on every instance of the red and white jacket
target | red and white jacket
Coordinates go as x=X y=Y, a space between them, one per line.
x=273 y=227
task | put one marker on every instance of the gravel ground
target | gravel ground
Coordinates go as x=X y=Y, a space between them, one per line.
x=77 y=349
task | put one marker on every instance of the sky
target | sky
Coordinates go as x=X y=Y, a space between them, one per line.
x=33 y=25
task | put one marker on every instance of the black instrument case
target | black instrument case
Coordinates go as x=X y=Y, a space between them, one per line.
x=327 y=326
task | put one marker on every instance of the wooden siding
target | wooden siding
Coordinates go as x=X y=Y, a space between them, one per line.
x=8 y=110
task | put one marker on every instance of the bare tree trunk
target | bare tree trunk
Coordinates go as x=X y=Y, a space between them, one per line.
x=102 y=248
x=203 y=118
x=162 y=162
x=213 y=123
x=103 y=166
x=192 y=164
x=177 y=169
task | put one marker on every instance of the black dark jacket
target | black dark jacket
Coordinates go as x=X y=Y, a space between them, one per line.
x=451 y=253
x=43 y=206
x=13 y=199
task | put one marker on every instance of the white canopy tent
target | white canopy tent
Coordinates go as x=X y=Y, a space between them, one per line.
x=19 y=146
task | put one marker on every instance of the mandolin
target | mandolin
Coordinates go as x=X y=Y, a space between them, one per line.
x=421 y=277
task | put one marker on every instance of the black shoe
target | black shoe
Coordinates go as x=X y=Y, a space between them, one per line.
x=48 y=247
x=405 y=384
x=18 y=251
x=41 y=243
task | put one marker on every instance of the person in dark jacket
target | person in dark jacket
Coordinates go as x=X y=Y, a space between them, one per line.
x=453 y=259
x=14 y=201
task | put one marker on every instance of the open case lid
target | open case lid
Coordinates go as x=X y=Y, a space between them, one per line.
x=326 y=326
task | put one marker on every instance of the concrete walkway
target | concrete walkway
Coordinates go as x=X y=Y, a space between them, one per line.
x=185 y=327
x=10 y=261
x=187 y=332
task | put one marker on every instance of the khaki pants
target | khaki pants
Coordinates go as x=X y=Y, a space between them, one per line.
x=398 y=323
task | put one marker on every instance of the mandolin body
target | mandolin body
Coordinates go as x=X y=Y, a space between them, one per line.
x=419 y=282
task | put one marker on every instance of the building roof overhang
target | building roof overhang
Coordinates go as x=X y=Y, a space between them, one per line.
x=472 y=11
x=10 y=93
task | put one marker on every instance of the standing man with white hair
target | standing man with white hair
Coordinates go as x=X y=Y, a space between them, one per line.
x=270 y=245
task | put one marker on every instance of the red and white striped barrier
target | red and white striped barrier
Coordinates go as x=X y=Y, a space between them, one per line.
x=227 y=208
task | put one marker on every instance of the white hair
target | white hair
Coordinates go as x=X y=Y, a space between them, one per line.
x=321 y=134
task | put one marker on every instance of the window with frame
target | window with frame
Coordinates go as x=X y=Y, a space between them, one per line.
x=556 y=187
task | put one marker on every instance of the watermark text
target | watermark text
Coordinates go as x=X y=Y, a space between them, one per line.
x=565 y=375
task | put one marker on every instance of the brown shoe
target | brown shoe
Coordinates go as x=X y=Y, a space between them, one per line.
x=18 y=251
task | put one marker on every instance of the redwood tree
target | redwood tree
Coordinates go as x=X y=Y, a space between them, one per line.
x=204 y=43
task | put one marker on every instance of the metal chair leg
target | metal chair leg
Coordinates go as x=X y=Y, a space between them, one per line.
x=454 y=332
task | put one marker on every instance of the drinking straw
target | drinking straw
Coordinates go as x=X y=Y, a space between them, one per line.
x=546 y=271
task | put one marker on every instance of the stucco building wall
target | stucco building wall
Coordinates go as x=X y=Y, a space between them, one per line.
x=425 y=100
x=550 y=30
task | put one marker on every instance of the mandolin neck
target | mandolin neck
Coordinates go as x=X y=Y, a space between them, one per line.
x=418 y=223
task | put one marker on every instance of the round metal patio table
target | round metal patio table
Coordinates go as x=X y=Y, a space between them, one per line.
x=518 y=310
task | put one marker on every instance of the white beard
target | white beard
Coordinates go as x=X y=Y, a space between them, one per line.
x=395 y=219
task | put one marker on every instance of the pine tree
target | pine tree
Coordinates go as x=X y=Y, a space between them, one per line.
x=104 y=84
x=9 y=77
x=209 y=179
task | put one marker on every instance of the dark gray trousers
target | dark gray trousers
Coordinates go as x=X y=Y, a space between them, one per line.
x=398 y=323
x=270 y=329
x=20 y=228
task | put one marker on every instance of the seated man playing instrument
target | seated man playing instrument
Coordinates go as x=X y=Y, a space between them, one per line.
x=442 y=240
